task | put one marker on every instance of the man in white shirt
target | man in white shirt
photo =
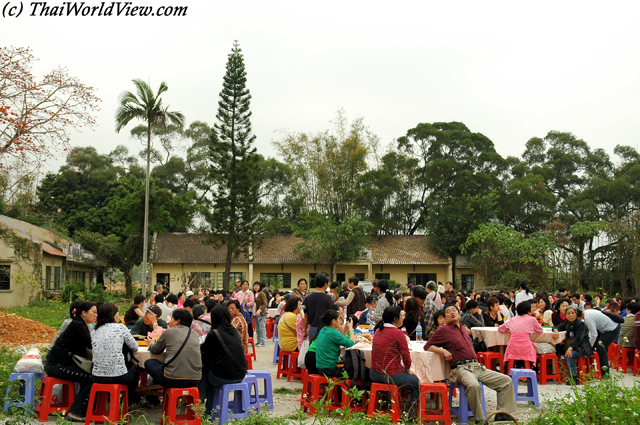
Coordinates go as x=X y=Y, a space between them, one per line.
x=597 y=321
x=576 y=302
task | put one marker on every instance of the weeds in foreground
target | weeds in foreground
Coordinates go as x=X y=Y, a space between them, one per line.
x=286 y=391
x=606 y=402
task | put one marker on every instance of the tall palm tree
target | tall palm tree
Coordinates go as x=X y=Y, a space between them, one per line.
x=148 y=107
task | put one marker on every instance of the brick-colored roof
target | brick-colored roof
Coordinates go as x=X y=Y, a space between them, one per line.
x=189 y=248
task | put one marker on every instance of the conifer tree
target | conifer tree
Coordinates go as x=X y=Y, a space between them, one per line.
x=234 y=168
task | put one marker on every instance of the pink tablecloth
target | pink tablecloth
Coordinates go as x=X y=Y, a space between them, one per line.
x=428 y=366
x=492 y=337
x=271 y=312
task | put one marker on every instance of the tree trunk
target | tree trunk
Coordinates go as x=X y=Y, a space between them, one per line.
x=453 y=271
x=145 y=235
x=128 y=282
x=227 y=267
x=581 y=271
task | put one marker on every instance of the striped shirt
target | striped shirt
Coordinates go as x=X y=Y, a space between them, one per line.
x=390 y=351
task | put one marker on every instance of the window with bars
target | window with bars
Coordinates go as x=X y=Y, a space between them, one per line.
x=57 y=278
x=276 y=280
x=5 y=277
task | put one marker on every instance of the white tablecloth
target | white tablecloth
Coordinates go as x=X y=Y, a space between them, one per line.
x=428 y=366
x=271 y=312
x=143 y=355
x=492 y=337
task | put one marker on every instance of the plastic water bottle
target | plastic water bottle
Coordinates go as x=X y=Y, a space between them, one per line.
x=419 y=332
x=372 y=324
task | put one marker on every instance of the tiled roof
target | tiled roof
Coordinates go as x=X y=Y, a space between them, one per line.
x=49 y=240
x=189 y=248
x=414 y=249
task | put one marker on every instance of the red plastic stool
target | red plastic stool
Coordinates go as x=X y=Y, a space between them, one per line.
x=315 y=388
x=373 y=408
x=489 y=359
x=294 y=371
x=442 y=413
x=269 y=326
x=249 y=362
x=510 y=363
x=589 y=365
x=253 y=348
x=49 y=405
x=636 y=362
x=613 y=352
x=170 y=411
x=284 y=360
x=625 y=361
x=548 y=366
x=97 y=410
x=143 y=378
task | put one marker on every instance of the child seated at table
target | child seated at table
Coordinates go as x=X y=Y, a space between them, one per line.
x=522 y=328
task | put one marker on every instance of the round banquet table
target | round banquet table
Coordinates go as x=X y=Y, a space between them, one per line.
x=492 y=337
x=428 y=366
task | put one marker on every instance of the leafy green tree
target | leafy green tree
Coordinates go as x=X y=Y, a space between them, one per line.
x=453 y=220
x=326 y=239
x=504 y=256
x=102 y=205
x=148 y=107
x=234 y=168
x=327 y=167
x=452 y=161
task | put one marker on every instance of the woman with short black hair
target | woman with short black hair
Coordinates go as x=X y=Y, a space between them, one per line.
x=182 y=367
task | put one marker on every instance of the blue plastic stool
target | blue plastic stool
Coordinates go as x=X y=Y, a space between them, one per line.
x=276 y=351
x=27 y=390
x=239 y=408
x=463 y=411
x=266 y=396
x=254 y=398
x=532 y=386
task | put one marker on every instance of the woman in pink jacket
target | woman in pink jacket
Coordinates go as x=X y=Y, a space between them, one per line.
x=246 y=299
x=521 y=327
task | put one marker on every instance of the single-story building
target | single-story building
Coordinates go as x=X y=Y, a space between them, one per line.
x=35 y=262
x=180 y=260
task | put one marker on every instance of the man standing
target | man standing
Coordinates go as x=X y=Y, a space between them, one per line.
x=435 y=296
x=597 y=321
x=453 y=342
x=238 y=286
x=427 y=306
x=355 y=300
x=315 y=304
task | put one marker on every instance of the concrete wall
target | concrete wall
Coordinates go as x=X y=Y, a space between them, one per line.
x=399 y=273
x=24 y=285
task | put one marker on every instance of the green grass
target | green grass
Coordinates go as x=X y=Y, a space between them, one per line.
x=50 y=313
x=285 y=390
x=53 y=312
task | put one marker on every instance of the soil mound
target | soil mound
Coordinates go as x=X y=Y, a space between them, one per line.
x=18 y=330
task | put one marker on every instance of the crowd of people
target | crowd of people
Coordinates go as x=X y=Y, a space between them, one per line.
x=206 y=334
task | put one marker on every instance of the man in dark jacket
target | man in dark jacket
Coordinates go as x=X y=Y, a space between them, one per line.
x=355 y=300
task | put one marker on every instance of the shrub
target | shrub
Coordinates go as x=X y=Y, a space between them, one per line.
x=608 y=402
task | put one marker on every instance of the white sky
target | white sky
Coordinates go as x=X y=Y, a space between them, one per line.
x=511 y=70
